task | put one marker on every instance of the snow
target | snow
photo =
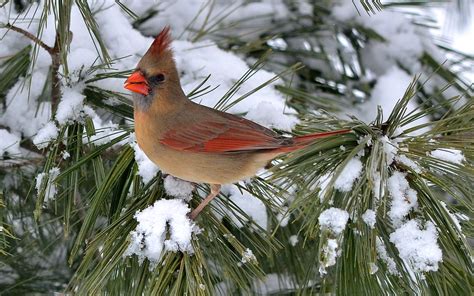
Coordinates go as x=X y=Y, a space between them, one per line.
x=404 y=44
x=51 y=189
x=268 y=114
x=373 y=268
x=409 y=163
x=178 y=188
x=390 y=87
x=348 y=175
x=378 y=188
x=48 y=133
x=283 y=218
x=104 y=133
x=323 y=184
x=9 y=143
x=266 y=107
x=454 y=217
x=193 y=14
x=248 y=203
x=71 y=106
x=450 y=155
x=403 y=198
x=383 y=255
x=147 y=170
x=21 y=99
x=248 y=256
x=390 y=148
x=333 y=219
x=330 y=253
x=418 y=247
x=150 y=238
x=293 y=240
x=369 y=217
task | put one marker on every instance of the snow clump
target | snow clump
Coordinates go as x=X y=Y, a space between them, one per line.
x=418 y=247
x=148 y=240
x=334 y=219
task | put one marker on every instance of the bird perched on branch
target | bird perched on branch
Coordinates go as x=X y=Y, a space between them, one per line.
x=194 y=142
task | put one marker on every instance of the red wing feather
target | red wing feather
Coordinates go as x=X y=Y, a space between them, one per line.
x=234 y=135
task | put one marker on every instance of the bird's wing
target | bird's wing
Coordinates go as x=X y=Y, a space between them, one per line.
x=233 y=134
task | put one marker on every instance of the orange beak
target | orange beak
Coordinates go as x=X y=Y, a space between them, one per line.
x=137 y=83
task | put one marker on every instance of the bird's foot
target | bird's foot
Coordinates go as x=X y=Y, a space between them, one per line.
x=215 y=189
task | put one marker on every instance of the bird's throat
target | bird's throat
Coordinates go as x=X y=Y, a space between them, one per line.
x=141 y=102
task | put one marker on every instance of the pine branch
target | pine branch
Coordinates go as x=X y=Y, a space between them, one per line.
x=54 y=52
x=32 y=37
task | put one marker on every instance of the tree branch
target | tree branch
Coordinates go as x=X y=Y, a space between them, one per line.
x=54 y=52
x=32 y=37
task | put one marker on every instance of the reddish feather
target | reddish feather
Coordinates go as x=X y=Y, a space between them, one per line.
x=235 y=135
x=303 y=141
x=162 y=41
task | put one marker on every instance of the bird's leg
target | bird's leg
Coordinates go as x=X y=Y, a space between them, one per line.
x=215 y=189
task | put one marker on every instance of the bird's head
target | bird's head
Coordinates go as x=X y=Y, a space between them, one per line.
x=156 y=72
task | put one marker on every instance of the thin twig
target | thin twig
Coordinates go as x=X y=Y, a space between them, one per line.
x=54 y=52
x=55 y=79
x=32 y=37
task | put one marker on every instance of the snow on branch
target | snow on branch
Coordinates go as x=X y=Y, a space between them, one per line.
x=164 y=226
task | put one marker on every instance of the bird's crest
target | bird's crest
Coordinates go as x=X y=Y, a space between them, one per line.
x=162 y=42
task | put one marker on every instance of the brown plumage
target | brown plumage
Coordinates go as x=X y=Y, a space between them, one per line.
x=194 y=142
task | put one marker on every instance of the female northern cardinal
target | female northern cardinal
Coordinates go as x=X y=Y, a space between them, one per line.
x=194 y=142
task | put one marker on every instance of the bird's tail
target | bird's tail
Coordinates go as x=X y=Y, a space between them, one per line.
x=303 y=141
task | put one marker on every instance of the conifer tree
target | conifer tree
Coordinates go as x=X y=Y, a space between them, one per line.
x=383 y=210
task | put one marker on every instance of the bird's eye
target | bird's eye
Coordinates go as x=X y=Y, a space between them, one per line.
x=157 y=78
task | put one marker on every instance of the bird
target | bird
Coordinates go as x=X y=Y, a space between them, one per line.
x=194 y=142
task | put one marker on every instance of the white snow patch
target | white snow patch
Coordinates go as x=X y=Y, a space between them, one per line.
x=330 y=253
x=178 y=188
x=51 y=190
x=450 y=155
x=323 y=184
x=45 y=135
x=383 y=255
x=65 y=154
x=403 y=198
x=248 y=256
x=148 y=240
x=418 y=247
x=390 y=147
x=103 y=132
x=453 y=217
x=293 y=240
x=9 y=143
x=248 y=203
x=409 y=163
x=390 y=87
x=379 y=189
x=71 y=106
x=369 y=217
x=333 y=219
x=146 y=168
x=21 y=100
x=404 y=42
x=348 y=175
x=373 y=268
